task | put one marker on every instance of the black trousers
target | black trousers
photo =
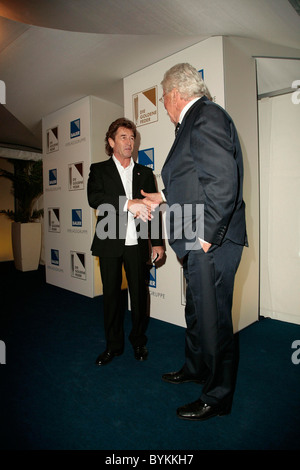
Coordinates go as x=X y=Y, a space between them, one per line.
x=111 y=274
x=210 y=348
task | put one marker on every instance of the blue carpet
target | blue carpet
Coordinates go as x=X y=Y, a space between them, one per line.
x=54 y=397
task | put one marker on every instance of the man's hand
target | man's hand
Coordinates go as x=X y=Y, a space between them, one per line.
x=157 y=253
x=139 y=210
x=151 y=200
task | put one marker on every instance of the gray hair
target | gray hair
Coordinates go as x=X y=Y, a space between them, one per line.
x=187 y=80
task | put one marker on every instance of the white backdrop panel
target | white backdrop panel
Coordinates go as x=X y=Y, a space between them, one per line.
x=142 y=91
x=66 y=155
x=73 y=138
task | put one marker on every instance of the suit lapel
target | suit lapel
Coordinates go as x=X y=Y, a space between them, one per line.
x=114 y=174
x=136 y=177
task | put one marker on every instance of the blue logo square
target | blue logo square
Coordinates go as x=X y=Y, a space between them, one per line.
x=76 y=217
x=52 y=177
x=146 y=157
x=55 y=257
x=75 y=128
x=152 y=277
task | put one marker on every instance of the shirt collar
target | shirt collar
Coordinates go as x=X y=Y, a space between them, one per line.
x=130 y=166
x=186 y=108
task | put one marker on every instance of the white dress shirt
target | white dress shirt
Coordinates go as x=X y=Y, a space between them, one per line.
x=126 y=177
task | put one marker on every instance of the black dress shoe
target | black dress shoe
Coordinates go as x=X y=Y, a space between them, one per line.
x=199 y=411
x=106 y=357
x=141 y=353
x=180 y=377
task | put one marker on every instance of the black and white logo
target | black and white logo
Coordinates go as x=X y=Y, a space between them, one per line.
x=54 y=219
x=78 y=265
x=52 y=140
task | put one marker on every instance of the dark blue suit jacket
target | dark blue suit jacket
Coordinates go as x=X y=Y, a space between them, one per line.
x=205 y=166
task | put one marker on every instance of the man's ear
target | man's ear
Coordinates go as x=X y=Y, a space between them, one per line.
x=111 y=142
x=174 y=95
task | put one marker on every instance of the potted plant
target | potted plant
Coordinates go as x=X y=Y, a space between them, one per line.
x=27 y=187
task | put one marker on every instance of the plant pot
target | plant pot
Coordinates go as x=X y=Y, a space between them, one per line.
x=26 y=245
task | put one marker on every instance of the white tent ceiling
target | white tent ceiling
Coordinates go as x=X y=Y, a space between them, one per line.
x=54 y=52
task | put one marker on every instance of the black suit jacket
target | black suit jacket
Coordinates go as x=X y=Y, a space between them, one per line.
x=106 y=193
x=205 y=166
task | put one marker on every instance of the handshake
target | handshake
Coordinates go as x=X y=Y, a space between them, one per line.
x=143 y=208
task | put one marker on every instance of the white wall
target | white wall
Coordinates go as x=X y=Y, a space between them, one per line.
x=279 y=124
x=241 y=104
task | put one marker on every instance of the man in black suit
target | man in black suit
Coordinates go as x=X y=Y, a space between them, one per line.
x=204 y=171
x=122 y=237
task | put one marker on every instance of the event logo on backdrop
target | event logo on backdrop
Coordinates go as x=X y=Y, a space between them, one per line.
x=146 y=157
x=76 y=176
x=76 y=217
x=55 y=257
x=152 y=282
x=52 y=140
x=54 y=219
x=152 y=277
x=53 y=177
x=77 y=223
x=78 y=268
x=145 y=106
x=54 y=261
x=52 y=181
x=75 y=128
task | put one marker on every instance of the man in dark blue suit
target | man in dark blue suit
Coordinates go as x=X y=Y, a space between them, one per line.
x=203 y=175
x=122 y=237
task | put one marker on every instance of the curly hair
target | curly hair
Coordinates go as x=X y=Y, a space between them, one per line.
x=112 y=130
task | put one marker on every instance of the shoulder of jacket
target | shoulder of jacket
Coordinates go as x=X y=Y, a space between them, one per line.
x=215 y=107
x=99 y=164
x=216 y=110
x=143 y=168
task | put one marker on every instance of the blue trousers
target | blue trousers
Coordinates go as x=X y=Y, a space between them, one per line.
x=210 y=350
